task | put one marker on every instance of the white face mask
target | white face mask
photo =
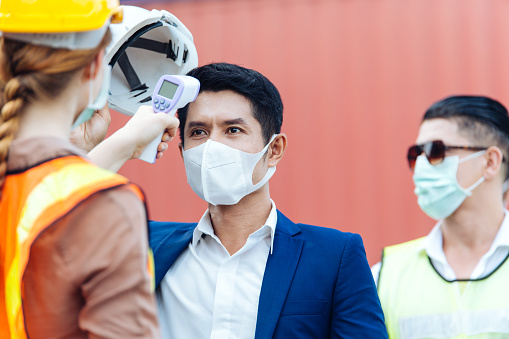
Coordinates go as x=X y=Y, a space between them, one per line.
x=100 y=100
x=222 y=175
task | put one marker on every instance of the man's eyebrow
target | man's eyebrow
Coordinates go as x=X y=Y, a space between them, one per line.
x=238 y=121
x=194 y=124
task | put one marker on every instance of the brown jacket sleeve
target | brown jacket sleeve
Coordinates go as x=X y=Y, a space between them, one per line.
x=87 y=275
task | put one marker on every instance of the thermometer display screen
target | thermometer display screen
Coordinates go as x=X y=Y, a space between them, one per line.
x=168 y=89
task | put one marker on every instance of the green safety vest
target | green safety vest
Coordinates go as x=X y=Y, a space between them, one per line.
x=418 y=303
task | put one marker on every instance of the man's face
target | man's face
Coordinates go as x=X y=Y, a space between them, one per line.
x=225 y=117
x=447 y=131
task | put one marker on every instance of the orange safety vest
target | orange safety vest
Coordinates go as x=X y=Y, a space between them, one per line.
x=31 y=201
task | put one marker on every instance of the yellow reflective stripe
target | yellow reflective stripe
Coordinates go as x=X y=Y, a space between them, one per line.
x=13 y=293
x=54 y=188
x=151 y=269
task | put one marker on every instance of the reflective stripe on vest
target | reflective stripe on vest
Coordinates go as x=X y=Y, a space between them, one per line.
x=31 y=201
x=418 y=303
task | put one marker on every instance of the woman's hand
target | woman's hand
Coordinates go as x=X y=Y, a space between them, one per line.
x=89 y=134
x=130 y=141
x=144 y=127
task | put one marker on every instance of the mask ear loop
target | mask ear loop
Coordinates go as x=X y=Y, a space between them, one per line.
x=472 y=156
x=481 y=179
x=270 y=171
x=474 y=186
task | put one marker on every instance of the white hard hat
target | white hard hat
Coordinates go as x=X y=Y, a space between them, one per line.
x=145 y=46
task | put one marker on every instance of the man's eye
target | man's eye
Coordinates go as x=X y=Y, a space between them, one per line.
x=197 y=132
x=233 y=130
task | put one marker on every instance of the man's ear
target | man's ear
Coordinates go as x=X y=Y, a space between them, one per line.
x=277 y=149
x=181 y=149
x=93 y=67
x=494 y=162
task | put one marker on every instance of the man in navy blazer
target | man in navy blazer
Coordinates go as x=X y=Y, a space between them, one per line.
x=245 y=270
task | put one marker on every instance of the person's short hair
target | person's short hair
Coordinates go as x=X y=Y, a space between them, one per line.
x=482 y=120
x=267 y=106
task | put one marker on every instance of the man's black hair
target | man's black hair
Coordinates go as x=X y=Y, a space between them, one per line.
x=482 y=120
x=264 y=97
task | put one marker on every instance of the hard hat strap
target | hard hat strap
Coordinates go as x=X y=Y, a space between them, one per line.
x=123 y=61
x=156 y=46
x=131 y=40
x=129 y=73
x=135 y=41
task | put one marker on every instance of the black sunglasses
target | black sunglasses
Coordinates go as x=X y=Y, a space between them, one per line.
x=435 y=151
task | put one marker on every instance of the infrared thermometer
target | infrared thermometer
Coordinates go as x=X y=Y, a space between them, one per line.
x=171 y=93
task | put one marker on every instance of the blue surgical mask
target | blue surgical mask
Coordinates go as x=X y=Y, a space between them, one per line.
x=438 y=192
x=100 y=100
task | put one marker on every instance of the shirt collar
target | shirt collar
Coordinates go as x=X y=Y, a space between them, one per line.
x=433 y=243
x=204 y=226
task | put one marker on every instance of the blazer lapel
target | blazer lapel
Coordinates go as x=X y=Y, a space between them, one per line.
x=168 y=251
x=278 y=276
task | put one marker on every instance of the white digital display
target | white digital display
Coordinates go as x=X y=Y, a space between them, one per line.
x=168 y=89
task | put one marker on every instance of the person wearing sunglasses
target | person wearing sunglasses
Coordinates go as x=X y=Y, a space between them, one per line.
x=452 y=283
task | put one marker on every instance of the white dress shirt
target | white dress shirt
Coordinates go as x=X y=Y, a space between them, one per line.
x=209 y=294
x=433 y=242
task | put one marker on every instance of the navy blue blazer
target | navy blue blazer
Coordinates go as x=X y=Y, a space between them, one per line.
x=317 y=281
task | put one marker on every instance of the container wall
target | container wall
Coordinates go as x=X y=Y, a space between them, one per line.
x=356 y=77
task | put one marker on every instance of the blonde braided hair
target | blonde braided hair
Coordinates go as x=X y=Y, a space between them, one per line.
x=30 y=73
